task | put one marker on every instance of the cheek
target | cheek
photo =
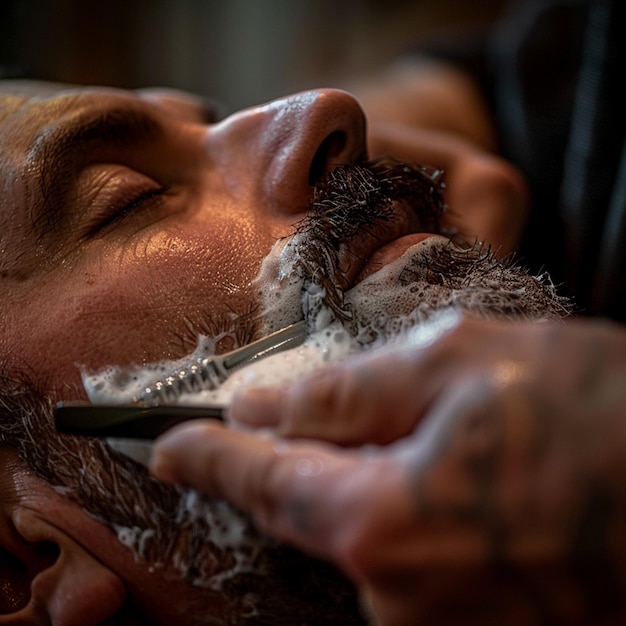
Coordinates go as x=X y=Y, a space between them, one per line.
x=142 y=304
x=194 y=267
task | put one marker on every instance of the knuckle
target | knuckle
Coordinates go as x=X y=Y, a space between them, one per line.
x=321 y=400
x=308 y=405
x=355 y=544
x=494 y=173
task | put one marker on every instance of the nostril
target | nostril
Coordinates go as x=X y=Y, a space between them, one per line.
x=329 y=154
x=47 y=552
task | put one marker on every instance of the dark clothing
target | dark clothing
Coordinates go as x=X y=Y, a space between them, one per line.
x=552 y=71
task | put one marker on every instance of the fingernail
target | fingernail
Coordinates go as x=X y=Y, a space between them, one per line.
x=257 y=407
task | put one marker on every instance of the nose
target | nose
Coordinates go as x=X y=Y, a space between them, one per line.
x=277 y=151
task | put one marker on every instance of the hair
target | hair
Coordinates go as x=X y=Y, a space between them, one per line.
x=353 y=199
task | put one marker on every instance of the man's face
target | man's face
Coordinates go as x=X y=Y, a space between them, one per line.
x=129 y=225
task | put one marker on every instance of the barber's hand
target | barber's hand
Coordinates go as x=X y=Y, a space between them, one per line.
x=433 y=114
x=497 y=498
x=487 y=197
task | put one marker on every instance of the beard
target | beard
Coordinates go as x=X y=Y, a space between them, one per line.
x=438 y=276
x=209 y=543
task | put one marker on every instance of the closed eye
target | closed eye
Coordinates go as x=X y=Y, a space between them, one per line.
x=118 y=197
x=142 y=201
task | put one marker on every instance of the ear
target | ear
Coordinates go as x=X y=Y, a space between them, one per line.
x=48 y=578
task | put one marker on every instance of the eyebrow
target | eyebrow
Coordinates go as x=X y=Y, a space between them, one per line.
x=59 y=153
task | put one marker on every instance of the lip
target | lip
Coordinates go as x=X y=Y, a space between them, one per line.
x=370 y=251
x=391 y=252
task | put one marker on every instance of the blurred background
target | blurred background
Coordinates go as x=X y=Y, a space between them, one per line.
x=242 y=52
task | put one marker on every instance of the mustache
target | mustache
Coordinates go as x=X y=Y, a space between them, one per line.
x=358 y=195
x=359 y=198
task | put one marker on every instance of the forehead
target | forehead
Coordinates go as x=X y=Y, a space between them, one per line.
x=28 y=109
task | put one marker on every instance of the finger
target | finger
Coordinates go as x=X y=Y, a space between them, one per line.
x=487 y=196
x=488 y=201
x=374 y=400
x=312 y=496
x=257 y=407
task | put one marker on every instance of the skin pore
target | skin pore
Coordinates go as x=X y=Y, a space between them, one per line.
x=168 y=533
x=507 y=496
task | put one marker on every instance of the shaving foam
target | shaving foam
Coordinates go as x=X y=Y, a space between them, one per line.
x=379 y=305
